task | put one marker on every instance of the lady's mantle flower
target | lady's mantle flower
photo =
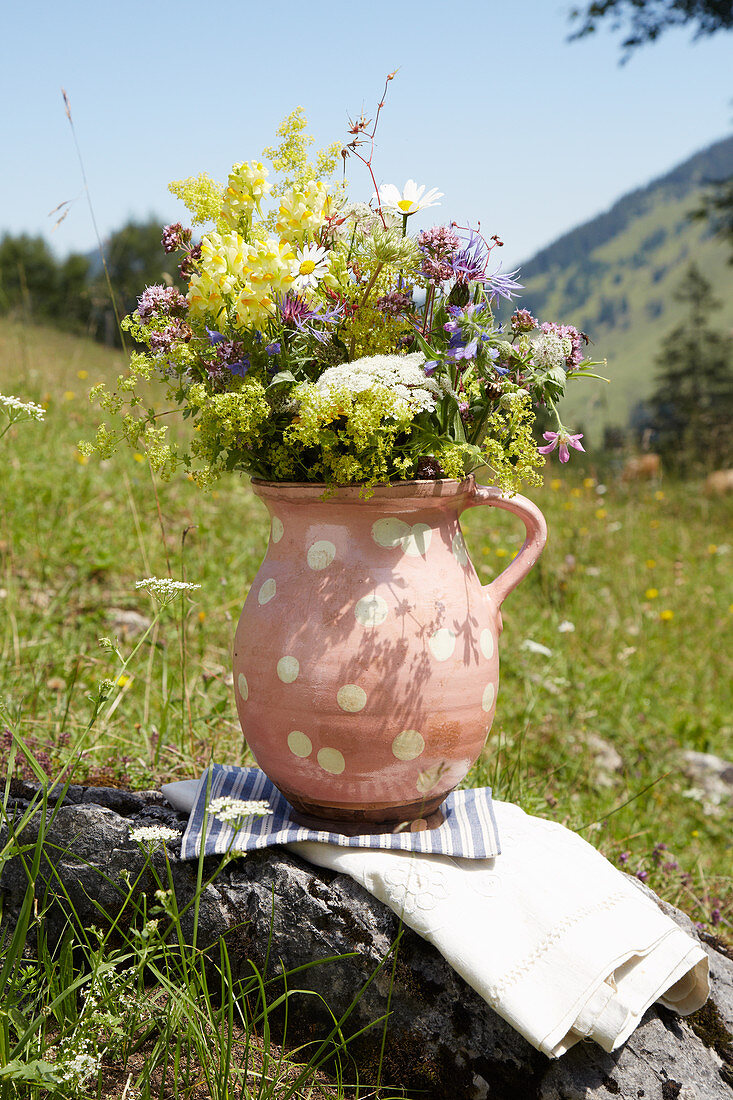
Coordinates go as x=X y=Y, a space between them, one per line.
x=309 y=267
x=408 y=201
x=150 y=834
x=563 y=440
x=229 y=809
x=164 y=589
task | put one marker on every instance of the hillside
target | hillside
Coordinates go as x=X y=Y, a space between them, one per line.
x=615 y=278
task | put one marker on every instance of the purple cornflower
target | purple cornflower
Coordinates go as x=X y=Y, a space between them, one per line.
x=274 y=348
x=296 y=313
x=562 y=439
x=503 y=285
x=214 y=336
x=571 y=333
x=157 y=299
x=469 y=264
x=175 y=237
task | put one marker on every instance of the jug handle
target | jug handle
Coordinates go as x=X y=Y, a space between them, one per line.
x=536 y=526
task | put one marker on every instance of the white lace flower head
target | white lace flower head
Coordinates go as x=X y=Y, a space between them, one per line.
x=402 y=375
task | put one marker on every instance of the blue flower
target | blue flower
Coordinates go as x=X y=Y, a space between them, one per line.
x=430 y=366
x=504 y=285
x=214 y=337
x=273 y=348
x=241 y=367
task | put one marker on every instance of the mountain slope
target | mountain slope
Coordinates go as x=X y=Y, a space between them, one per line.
x=615 y=277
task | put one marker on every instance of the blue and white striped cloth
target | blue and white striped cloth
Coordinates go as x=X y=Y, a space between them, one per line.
x=469 y=829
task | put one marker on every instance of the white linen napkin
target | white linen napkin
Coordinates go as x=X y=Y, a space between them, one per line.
x=560 y=943
x=556 y=940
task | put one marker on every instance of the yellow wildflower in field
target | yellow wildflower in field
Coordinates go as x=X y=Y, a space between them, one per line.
x=80 y=458
x=123 y=680
x=575 y=493
x=601 y=513
x=588 y=482
x=651 y=593
x=82 y=374
x=654 y=524
x=201 y=616
x=659 y=495
x=501 y=552
x=666 y=615
x=138 y=457
x=650 y=563
x=69 y=395
x=712 y=548
x=556 y=483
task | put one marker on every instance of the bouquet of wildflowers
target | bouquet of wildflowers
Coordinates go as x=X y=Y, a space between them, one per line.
x=320 y=340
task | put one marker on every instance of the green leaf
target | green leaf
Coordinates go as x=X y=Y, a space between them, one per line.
x=281 y=377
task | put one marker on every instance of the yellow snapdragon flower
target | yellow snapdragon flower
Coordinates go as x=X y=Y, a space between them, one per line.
x=245 y=189
x=303 y=212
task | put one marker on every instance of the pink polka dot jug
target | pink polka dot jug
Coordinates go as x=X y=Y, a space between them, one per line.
x=366 y=666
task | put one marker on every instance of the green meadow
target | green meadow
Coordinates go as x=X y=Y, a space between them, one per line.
x=615 y=656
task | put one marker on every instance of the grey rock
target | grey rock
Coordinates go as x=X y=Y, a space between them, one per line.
x=275 y=911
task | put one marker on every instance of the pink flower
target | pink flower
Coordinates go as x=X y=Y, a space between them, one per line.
x=562 y=439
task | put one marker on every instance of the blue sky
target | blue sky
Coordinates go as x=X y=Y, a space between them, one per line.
x=520 y=130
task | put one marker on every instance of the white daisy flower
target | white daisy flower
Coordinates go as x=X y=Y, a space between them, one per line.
x=408 y=201
x=309 y=267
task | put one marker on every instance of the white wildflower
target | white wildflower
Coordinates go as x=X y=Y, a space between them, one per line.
x=601 y=489
x=18 y=408
x=80 y=1068
x=410 y=199
x=549 y=351
x=151 y=834
x=229 y=809
x=566 y=627
x=535 y=647
x=402 y=375
x=164 y=589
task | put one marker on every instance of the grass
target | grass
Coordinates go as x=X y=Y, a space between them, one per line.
x=592 y=734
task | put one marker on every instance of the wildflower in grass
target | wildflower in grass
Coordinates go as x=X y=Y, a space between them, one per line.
x=234 y=811
x=164 y=589
x=666 y=615
x=588 y=482
x=555 y=484
x=18 y=411
x=651 y=593
x=650 y=563
x=601 y=513
x=82 y=374
x=562 y=439
x=153 y=834
x=535 y=647
x=659 y=495
x=408 y=201
x=566 y=627
x=601 y=489
x=123 y=681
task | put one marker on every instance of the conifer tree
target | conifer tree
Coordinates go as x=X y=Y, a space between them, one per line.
x=692 y=405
